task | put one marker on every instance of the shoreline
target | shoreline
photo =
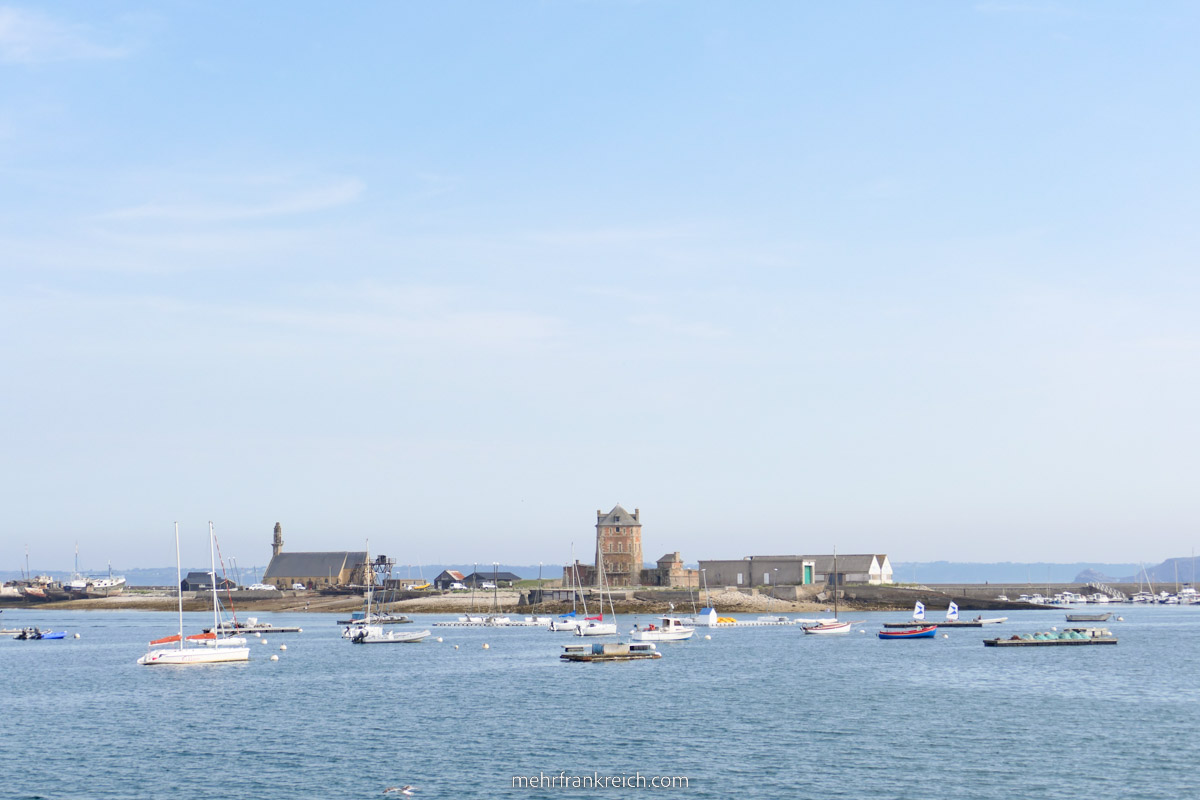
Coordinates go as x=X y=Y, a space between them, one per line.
x=851 y=598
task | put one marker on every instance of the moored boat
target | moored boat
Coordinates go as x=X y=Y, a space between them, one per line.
x=668 y=629
x=1089 y=617
x=34 y=634
x=827 y=628
x=364 y=633
x=928 y=632
x=213 y=650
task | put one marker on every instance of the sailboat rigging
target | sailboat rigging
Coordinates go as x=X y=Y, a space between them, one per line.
x=184 y=655
x=834 y=626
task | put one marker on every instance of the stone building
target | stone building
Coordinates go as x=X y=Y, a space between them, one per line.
x=797 y=570
x=314 y=570
x=619 y=549
x=669 y=571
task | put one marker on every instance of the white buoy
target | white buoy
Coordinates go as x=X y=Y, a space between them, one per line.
x=264 y=641
x=76 y=636
x=1120 y=619
x=1053 y=627
x=274 y=658
x=283 y=647
x=487 y=646
x=860 y=630
x=455 y=647
x=299 y=630
x=945 y=636
x=708 y=637
x=257 y=635
x=439 y=639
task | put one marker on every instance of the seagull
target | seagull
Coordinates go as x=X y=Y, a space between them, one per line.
x=405 y=790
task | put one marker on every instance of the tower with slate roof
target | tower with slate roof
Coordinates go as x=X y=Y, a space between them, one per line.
x=619 y=545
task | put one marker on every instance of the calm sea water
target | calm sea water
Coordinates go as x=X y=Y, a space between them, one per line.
x=753 y=713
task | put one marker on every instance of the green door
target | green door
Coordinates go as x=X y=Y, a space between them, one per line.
x=808 y=573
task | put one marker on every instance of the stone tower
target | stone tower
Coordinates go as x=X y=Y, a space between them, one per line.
x=277 y=542
x=619 y=546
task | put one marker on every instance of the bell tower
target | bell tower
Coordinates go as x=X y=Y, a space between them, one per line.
x=277 y=542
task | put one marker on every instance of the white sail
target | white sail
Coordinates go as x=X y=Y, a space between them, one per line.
x=952 y=612
x=919 y=610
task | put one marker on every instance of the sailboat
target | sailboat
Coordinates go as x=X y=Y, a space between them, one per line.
x=596 y=626
x=161 y=651
x=368 y=633
x=567 y=622
x=919 y=612
x=834 y=626
x=952 y=612
x=221 y=634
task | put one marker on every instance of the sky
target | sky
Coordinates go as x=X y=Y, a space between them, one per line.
x=917 y=279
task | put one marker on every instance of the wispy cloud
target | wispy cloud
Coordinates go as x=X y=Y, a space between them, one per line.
x=683 y=328
x=30 y=38
x=296 y=202
x=608 y=236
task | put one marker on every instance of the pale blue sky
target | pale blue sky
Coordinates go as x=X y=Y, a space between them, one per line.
x=914 y=278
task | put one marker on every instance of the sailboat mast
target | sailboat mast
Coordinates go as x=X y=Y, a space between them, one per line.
x=835 y=584
x=367 y=575
x=179 y=584
x=212 y=561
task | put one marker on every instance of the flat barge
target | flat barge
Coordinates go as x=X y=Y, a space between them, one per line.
x=379 y=619
x=610 y=652
x=958 y=623
x=1066 y=637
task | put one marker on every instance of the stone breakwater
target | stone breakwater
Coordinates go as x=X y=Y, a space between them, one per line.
x=806 y=600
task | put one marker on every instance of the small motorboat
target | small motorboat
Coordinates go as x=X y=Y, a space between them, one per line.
x=668 y=629
x=31 y=634
x=928 y=632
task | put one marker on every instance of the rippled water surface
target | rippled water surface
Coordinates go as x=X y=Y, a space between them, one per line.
x=752 y=713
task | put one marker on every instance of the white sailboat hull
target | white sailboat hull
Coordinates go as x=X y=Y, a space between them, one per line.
x=375 y=634
x=832 y=628
x=189 y=656
x=596 y=629
x=677 y=635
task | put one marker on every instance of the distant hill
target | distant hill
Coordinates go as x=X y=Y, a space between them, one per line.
x=1173 y=570
x=1004 y=572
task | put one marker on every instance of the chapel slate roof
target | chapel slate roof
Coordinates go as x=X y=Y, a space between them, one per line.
x=313 y=565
